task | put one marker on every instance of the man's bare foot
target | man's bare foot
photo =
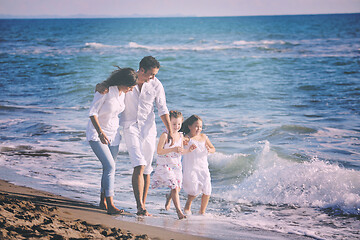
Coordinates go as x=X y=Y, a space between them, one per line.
x=187 y=212
x=167 y=202
x=143 y=212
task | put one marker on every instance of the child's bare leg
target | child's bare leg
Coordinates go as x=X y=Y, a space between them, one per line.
x=204 y=203
x=168 y=201
x=176 y=200
x=187 y=208
x=102 y=204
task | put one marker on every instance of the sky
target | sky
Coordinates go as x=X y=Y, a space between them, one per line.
x=164 y=8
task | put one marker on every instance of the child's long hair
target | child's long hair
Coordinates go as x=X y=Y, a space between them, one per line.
x=188 y=122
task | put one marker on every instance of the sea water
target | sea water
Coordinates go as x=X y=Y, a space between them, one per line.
x=279 y=97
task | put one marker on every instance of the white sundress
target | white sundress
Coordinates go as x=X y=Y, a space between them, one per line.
x=168 y=171
x=196 y=174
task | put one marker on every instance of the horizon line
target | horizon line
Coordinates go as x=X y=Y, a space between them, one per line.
x=86 y=16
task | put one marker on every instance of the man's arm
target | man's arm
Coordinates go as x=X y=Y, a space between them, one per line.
x=166 y=120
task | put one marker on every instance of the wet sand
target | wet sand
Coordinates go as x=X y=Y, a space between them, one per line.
x=26 y=213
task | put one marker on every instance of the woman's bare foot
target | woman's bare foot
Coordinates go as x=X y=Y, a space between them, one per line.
x=102 y=204
x=167 y=202
x=114 y=211
x=180 y=215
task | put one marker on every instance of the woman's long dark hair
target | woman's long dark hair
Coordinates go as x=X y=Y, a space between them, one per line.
x=122 y=77
x=188 y=122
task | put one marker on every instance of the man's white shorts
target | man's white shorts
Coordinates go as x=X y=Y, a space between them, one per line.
x=141 y=150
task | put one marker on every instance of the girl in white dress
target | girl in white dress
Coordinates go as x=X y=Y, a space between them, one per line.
x=102 y=130
x=196 y=172
x=168 y=170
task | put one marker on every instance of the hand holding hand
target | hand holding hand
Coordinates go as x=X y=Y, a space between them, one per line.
x=192 y=147
x=178 y=149
x=207 y=147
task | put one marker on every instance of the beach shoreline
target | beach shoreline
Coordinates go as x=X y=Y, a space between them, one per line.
x=26 y=212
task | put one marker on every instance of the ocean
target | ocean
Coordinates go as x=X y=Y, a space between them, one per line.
x=279 y=97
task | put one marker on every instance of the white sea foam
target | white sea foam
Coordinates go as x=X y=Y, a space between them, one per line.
x=77 y=183
x=12 y=121
x=98 y=45
x=262 y=42
x=280 y=192
x=340 y=49
x=305 y=184
x=242 y=42
x=217 y=45
x=218 y=159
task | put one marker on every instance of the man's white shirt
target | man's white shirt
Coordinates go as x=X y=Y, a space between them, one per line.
x=140 y=107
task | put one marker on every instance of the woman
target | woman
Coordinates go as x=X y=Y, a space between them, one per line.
x=102 y=130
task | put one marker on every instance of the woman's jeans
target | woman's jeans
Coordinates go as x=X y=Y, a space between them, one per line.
x=107 y=156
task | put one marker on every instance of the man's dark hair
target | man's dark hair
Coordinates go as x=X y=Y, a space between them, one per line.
x=149 y=62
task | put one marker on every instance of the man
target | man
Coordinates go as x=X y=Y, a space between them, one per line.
x=138 y=121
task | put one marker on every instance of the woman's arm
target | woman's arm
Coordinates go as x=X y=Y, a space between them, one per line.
x=103 y=138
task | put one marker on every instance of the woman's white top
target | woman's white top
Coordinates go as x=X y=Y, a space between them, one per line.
x=107 y=108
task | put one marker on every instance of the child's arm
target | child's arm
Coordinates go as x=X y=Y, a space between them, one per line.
x=185 y=141
x=160 y=148
x=190 y=149
x=209 y=146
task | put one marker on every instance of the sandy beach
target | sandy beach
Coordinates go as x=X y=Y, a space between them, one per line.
x=26 y=213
